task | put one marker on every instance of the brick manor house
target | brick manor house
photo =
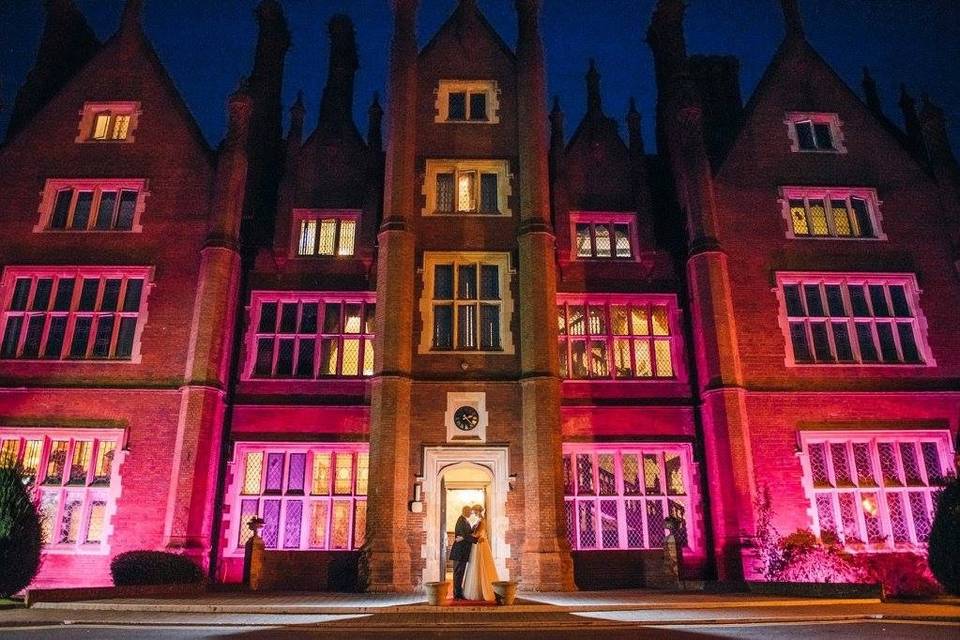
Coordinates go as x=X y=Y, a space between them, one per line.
x=351 y=335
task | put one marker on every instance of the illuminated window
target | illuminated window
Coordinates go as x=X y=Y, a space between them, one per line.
x=467 y=101
x=618 y=496
x=852 y=319
x=75 y=473
x=326 y=233
x=304 y=335
x=608 y=236
x=310 y=496
x=815 y=133
x=620 y=337
x=465 y=299
x=73 y=314
x=456 y=187
x=92 y=205
x=875 y=488
x=108 y=121
x=831 y=213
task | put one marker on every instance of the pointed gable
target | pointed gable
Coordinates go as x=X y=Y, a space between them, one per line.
x=597 y=166
x=799 y=80
x=465 y=42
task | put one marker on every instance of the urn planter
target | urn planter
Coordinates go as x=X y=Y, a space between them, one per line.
x=437 y=593
x=505 y=592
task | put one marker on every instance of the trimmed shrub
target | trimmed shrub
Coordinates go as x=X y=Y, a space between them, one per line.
x=901 y=574
x=20 y=534
x=944 y=544
x=153 y=568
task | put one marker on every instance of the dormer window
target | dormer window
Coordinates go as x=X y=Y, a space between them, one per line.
x=108 y=121
x=467 y=101
x=603 y=236
x=325 y=233
x=466 y=187
x=815 y=133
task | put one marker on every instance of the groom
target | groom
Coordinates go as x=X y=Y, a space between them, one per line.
x=460 y=551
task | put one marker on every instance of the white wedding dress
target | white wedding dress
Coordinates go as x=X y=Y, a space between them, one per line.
x=481 y=572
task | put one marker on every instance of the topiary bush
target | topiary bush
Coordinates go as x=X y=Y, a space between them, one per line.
x=21 y=536
x=153 y=568
x=944 y=544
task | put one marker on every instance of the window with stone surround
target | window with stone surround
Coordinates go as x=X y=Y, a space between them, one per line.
x=467 y=304
x=619 y=495
x=814 y=132
x=310 y=335
x=325 y=232
x=102 y=122
x=92 y=204
x=852 y=319
x=844 y=213
x=74 y=313
x=476 y=187
x=620 y=337
x=604 y=236
x=875 y=489
x=311 y=496
x=76 y=479
x=468 y=102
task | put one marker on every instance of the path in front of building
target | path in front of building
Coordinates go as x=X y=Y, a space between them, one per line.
x=624 y=614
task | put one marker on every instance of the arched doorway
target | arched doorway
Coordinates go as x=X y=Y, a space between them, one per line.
x=454 y=476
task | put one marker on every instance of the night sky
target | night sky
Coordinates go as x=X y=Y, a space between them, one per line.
x=207 y=45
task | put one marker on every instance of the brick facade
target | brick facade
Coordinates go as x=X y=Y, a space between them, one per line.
x=667 y=268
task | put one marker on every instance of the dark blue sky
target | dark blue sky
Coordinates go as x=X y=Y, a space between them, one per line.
x=208 y=44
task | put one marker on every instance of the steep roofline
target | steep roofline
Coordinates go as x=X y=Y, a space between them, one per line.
x=448 y=23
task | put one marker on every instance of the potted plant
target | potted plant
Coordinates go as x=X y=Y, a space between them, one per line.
x=505 y=592
x=437 y=593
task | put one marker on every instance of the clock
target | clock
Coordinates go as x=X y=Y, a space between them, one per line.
x=466 y=418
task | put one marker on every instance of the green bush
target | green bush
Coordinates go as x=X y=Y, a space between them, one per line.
x=20 y=534
x=944 y=544
x=152 y=568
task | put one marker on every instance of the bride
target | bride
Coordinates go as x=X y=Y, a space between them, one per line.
x=481 y=572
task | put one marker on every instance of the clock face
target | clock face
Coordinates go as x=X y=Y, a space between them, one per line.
x=466 y=418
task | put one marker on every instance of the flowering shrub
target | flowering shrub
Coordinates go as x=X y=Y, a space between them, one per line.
x=21 y=536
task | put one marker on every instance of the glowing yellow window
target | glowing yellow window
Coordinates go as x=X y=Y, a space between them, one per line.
x=664 y=364
x=348 y=232
x=798 y=216
x=321 y=474
x=121 y=124
x=343 y=483
x=363 y=473
x=31 y=456
x=661 y=324
x=101 y=126
x=328 y=237
x=253 y=467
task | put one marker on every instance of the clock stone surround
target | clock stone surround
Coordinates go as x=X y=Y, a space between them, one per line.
x=474 y=399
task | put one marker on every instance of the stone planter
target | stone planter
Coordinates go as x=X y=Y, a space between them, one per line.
x=437 y=593
x=505 y=592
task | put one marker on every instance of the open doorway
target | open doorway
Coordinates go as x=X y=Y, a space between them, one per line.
x=463 y=485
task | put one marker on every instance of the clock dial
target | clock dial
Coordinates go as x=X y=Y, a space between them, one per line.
x=466 y=418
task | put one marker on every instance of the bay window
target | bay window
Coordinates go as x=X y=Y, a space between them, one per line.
x=311 y=496
x=619 y=495
x=78 y=313
x=76 y=478
x=856 y=319
x=310 y=335
x=875 y=489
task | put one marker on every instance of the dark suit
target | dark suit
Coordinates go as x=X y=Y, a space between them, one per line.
x=460 y=553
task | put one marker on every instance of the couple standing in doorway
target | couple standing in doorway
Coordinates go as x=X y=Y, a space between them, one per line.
x=473 y=570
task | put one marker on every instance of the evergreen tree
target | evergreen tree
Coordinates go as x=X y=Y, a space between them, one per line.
x=20 y=534
x=944 y=551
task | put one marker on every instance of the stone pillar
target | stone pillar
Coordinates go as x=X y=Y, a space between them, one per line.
x=546 y=564
x=385 y=558
x=720 y=380
x=196 y=450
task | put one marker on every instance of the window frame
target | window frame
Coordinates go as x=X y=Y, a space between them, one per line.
x=675 y=336
x=321 y=298
x=844 y=280
x=90 y=491
x=427 y=302
x=793 y=118
x=609 y=219
x=435 y=167
x=236 y=470
x=97 y=186
x=113 y=109
x=78 y=275
x=445 y=87
x=874 y=204
x=301 y=216
x=881 y=487
x=689 y=499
